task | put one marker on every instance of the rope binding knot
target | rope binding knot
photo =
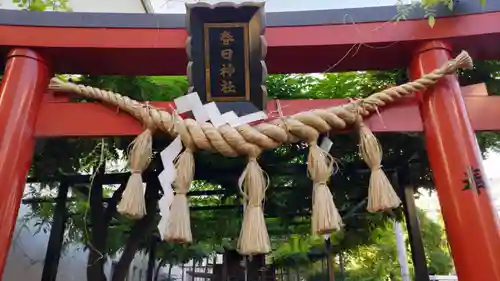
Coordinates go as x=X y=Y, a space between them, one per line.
x=254 y=205
x=181 y=192
x=376 y=168
x=320 y=183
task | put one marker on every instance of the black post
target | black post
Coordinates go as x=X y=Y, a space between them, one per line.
x=151 y=259
x=329 y=261
x=401 y=179
x=56 y=237
x=225 y=260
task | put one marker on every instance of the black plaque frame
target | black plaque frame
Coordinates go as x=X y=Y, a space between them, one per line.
x=251 y=17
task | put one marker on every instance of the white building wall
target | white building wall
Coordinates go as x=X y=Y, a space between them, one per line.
x=27 y=254
x=94 y=6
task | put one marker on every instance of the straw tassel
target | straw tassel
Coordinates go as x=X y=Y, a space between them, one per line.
x=132 y=203
x=325 y=216
x=381 y=194
x=179 y=226
x=463 y=60
x=254 y=238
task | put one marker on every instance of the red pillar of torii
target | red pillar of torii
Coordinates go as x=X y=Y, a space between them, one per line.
x=470 y=219
x=23 y=86
x=442 y=113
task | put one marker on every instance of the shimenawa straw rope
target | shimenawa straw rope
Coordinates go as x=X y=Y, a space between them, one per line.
x=265 y=135
x=325 y=216
x=179 y=224
x=132 y=203
x=253 y=183
x=232 y=142
x=381 y=194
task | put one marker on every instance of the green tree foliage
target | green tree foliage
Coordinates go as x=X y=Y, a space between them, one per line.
x=428 y=7
x=378 y=260
x=436 y=246
x=43 y=5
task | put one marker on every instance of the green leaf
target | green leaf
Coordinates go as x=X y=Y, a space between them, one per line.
x=431 y=20
x=450 y=5
x=37 y=5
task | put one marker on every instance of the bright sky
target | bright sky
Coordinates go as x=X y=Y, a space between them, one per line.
x=492 y=164
x=491 y=167
x=178 y=6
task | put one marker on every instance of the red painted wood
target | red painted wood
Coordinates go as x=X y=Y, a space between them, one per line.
x=472 y=225
x=313 y=48
x=24 y=82
x=476 y=90
x=484 y=112
x=64 y=118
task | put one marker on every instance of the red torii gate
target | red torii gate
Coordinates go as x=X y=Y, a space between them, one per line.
x=35 y=45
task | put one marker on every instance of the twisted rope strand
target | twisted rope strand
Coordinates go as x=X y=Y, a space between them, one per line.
x=244 y=139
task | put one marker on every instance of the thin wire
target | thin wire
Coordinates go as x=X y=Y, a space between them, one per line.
x=349 y=20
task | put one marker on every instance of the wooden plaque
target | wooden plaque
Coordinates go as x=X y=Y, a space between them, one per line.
x=226 y=50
